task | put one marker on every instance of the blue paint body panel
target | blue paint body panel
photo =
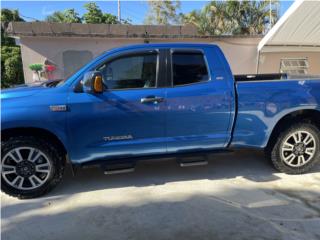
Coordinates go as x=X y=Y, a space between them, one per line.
x=115 y=113
x=204 y=116
x=262 y=104
x=29 y=107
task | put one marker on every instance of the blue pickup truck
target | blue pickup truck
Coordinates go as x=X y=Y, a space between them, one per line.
x=151 y=101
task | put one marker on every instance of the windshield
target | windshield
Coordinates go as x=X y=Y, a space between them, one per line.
x=62 y=81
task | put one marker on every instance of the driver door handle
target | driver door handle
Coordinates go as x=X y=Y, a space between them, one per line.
x=152 y=99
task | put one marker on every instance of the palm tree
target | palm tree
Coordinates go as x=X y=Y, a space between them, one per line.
x=57 y=16
x=197 y=19
x=220 y=19
x=66 y=16
x=163 y=12
x=234 y=17
x=253 y=17
x=71 y=16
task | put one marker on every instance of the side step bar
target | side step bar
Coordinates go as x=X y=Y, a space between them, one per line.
x=118 y=171
x=193 y=161
x=118 y=168
x=192 y=164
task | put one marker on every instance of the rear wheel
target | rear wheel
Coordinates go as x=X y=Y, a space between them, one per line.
x=297 y=149
x=30 y=167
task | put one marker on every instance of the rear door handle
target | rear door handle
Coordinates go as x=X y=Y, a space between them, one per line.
x=152 y=99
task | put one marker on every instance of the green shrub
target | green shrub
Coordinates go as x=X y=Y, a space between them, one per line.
x=11 y=66
x=11 y=63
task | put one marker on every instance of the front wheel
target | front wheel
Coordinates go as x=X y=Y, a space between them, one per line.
x=30 y=167
x=297 y=149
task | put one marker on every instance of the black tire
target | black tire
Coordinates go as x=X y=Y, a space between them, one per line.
x=277 y=156
x=53 y=155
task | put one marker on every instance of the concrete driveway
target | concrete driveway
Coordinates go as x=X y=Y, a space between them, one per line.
x=237 y=196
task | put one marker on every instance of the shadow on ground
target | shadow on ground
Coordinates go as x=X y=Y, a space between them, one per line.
x=228 y=199
x=195 y=217
x=248 y=164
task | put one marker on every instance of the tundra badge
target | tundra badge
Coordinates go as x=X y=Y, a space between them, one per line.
x=118 y=138
x=58 y=108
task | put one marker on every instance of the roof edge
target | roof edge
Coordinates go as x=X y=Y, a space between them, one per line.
x=45 y=29
x=280 y=22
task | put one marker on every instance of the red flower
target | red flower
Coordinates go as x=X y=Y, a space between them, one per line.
x=50 y=68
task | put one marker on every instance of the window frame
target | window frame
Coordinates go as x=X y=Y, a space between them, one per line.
x=186 y=50
x=133 y=54
x=160 y=71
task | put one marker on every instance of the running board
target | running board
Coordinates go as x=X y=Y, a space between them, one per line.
x=193 y=161
x=118 y=171
x=192 y=164
x=118 y=168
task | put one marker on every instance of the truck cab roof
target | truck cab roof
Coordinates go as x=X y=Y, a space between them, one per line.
x=164 y=45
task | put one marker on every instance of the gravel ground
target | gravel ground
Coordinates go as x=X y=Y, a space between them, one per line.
x=237 y=196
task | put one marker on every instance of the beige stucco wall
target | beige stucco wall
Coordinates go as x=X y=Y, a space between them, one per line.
x=270 y=62
x=240 y=52
x=37 y=50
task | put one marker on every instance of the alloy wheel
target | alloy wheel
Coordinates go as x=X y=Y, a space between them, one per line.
x=298 y=148
x=25 y=168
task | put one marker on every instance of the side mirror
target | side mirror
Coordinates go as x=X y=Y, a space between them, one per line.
x=92 y=82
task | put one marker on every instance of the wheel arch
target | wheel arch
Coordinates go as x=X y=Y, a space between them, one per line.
x=308 y=115
x=33 y=131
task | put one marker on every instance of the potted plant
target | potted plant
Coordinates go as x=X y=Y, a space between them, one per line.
x=36 y=68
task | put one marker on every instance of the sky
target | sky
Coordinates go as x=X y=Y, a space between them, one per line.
x=134 y=10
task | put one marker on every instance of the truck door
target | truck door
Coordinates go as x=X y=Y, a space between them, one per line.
x=128 y=118
x=198 y=105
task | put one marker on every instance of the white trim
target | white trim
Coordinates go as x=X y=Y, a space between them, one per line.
x=271 y=49
x=278 y=25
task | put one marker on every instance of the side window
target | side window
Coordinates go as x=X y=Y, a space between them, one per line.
x=188 y=68
x=134 y=71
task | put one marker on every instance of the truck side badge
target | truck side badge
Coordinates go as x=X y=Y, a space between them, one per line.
x=118 y=138
x=58 y=108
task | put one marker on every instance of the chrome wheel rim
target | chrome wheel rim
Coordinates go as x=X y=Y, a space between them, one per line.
x=298 y=148
x=25 y=168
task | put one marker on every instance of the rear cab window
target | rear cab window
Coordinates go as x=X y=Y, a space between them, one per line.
x=188 y=67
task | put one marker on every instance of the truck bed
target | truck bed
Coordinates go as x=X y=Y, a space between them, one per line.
x=261 y=104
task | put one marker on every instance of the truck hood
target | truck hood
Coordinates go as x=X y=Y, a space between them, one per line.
x=20 y=92
x=26 y=90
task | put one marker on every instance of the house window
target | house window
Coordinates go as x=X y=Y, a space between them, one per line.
x=294 y=66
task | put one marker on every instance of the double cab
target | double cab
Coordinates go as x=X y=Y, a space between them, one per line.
x=150 y=101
